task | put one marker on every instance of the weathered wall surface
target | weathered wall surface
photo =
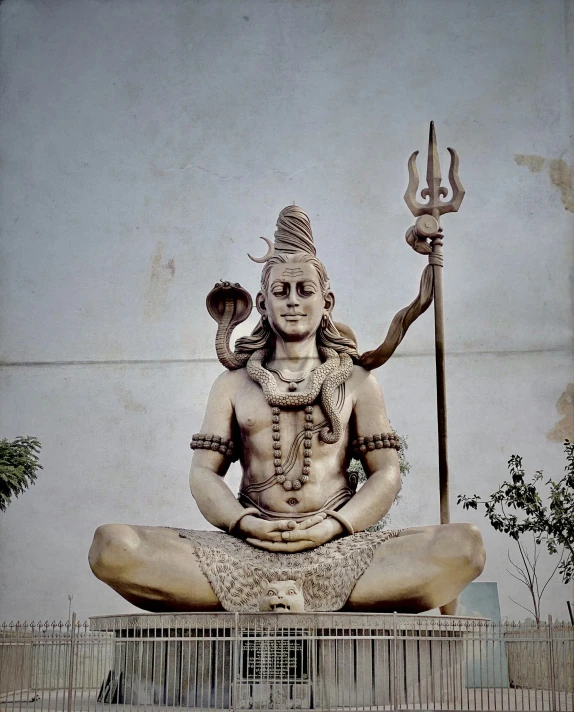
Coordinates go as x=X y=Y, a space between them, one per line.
x=146 y=146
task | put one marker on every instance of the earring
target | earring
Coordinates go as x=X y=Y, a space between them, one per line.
x=264 y=318
x=324 y=321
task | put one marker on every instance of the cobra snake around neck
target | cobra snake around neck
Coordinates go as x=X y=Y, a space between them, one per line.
x=229 y=304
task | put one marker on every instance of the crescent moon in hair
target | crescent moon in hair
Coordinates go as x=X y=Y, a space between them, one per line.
x=267 y=256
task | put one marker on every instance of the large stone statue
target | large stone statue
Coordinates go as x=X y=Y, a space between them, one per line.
x=293 y=406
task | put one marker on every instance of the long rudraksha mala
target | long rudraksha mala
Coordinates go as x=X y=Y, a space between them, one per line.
x=375 y=442
x=276 y=435
x=202 y=441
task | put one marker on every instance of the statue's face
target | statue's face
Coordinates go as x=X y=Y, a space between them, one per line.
x=294 y=303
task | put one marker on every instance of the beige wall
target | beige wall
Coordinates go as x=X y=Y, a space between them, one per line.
x=146 y=146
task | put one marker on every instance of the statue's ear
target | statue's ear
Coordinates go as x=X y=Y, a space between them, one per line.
x=329 y=302
x=260 y=304
x=264 y=583
x=299 y=584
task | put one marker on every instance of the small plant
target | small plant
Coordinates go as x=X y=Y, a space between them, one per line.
x=18 y=467
x=518 y=508
x=527 y=574
x=357 y=477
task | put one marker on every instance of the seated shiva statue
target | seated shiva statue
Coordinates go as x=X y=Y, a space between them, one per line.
x=294 y=406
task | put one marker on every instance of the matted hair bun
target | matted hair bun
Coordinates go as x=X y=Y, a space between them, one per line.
x=293 y=232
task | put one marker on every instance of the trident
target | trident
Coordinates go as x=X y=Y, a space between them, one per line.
x=426 y=237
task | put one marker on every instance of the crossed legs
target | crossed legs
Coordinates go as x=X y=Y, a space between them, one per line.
x=421 y=569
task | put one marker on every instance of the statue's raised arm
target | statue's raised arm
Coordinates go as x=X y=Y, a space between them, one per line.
x=294 y=405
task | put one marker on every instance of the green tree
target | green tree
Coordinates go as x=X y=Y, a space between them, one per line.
x=518 y=507
x=18 y=467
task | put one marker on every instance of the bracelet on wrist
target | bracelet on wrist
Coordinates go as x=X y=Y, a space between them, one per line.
x=343 y=521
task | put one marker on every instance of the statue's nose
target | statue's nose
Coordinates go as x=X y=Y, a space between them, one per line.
x=293 y=299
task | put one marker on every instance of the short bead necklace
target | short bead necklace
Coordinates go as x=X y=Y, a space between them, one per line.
x=276 y=435
x=291 y=381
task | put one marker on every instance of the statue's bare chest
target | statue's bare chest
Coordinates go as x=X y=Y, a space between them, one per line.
x=255 y=416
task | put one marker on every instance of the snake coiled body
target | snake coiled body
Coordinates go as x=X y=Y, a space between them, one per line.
x=325 y=380
x=330 y=386
x=274 y=397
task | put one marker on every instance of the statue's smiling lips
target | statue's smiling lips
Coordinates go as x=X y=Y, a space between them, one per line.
x=293 y=315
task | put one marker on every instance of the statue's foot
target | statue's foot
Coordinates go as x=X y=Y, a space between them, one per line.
x=151 y=567
x=450 y=608
x=421 y=569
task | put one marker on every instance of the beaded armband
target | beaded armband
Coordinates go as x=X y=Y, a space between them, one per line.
x=201 y=441
x=375 y=442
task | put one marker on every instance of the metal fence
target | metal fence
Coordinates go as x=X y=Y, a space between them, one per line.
x=322 y=661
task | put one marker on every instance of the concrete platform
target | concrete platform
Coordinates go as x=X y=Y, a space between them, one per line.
x=287 y=661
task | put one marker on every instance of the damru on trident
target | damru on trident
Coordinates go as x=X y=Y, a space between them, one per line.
x=296 y=401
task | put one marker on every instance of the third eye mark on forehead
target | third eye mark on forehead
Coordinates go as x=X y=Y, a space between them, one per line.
x=292 y=272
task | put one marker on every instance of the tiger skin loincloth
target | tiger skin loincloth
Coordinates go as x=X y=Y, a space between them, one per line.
x=236 y=569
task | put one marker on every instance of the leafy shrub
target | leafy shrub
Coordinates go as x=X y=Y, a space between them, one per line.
x=18 y=466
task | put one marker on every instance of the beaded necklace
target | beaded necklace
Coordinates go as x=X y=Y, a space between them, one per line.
x=277 y=455
x=305 y=399
x=291 y=381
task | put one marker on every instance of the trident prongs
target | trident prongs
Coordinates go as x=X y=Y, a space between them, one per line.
x=435 y=206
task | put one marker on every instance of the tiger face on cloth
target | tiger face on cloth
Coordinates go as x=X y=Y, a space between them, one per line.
x=292 y=413
x=282 y=596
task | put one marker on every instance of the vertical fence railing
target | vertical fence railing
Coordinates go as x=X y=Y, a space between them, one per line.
x=551 y=664
x=235 y=660
x=321 y=661
x=394 y=671
x=71 y=662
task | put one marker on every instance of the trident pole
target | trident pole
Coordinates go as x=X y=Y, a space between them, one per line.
x=426 y=237
x=443 y=478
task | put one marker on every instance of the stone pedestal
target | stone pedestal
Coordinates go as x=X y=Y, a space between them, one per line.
x=287 y=661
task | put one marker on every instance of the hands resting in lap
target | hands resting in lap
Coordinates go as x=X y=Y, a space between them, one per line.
x=287 y=536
